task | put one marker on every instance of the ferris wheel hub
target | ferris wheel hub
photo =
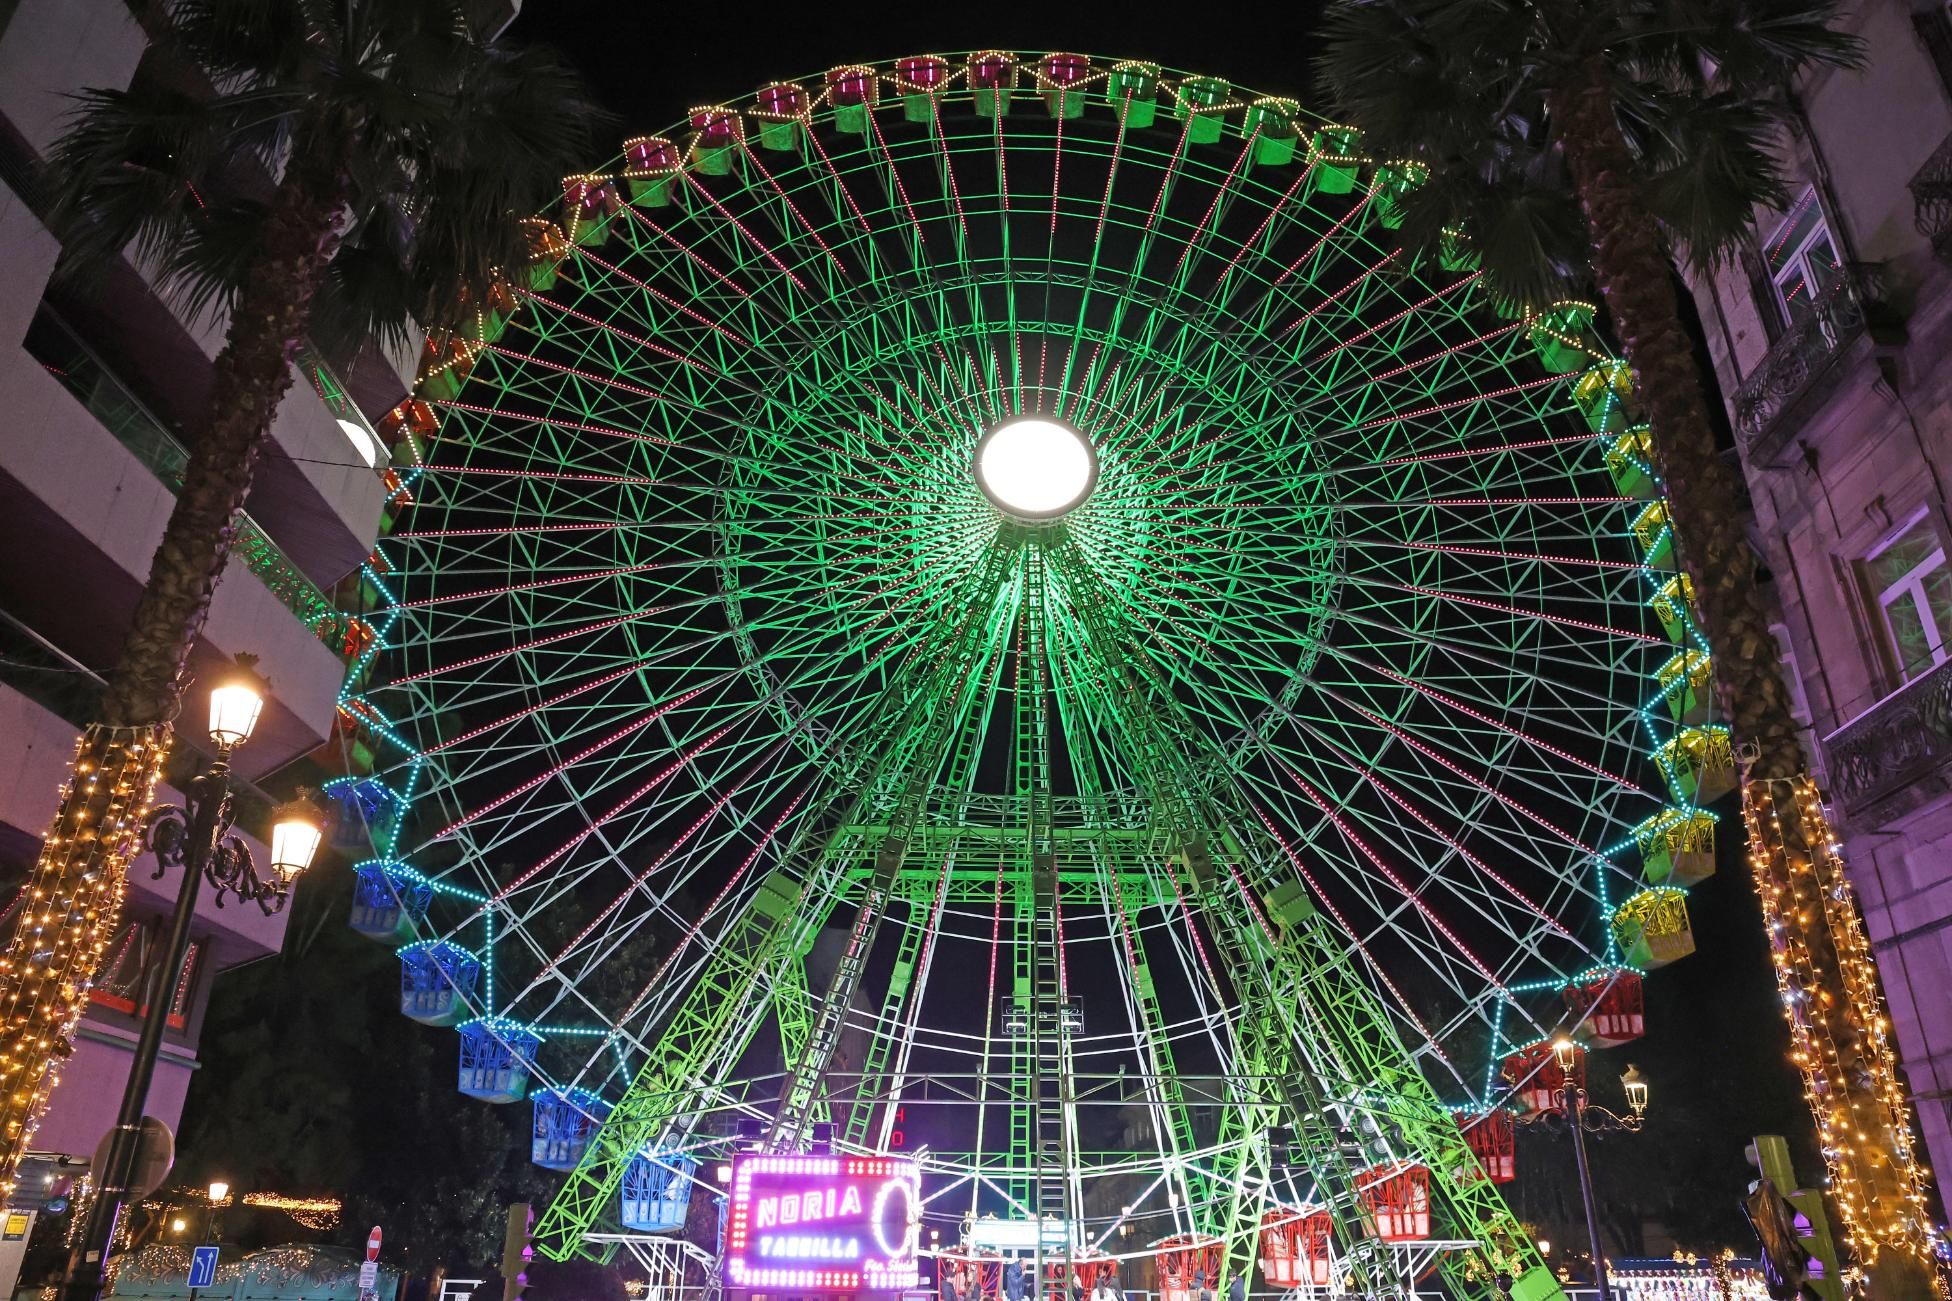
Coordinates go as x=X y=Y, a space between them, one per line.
x=1035 y=468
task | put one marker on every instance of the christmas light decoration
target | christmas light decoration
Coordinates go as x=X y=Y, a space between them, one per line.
x=1840 y=1032
x=73 y=901
x=313 y=1212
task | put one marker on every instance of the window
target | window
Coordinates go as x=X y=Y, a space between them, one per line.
x=1802 y=259
x=1913 y=586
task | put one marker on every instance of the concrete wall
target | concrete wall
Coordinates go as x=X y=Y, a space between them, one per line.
x=325 y=502
x=83 y=1106
x=1839 y=475
x=80 y=518
x=39 y=746
x=52 y=48
x=59 y=463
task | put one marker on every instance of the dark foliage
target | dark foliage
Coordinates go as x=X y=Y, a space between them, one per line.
x=442 y=141
x=1465 y=87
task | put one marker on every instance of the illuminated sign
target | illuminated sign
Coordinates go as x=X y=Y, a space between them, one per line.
x=843 y=1222
x=1020 y=1235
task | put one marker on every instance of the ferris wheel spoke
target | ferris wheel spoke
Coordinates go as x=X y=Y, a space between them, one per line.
x=760 y=394
x=1428 y=749
x=1402 y=834
x=631 y=728
x=667 y=626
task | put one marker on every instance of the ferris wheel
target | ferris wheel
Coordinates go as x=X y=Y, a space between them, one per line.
x=985 y=606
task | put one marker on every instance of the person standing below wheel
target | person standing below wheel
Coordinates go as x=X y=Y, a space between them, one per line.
x=1237 y=1290
x=1013 y=1280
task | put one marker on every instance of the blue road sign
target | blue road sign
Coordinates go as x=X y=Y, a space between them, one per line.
x=203 y=1267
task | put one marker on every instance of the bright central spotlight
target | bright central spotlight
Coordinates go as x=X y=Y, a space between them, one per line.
x=1035 y=469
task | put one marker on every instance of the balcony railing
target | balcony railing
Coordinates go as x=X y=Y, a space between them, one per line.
x=48 y=675
x=1899 y=739
x=1931 y=198
x=58 y=348
x=1810 y=349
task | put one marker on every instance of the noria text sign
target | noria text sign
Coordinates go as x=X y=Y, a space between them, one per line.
x=847 y=1223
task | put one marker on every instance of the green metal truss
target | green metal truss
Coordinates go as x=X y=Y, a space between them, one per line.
x=1298 y=769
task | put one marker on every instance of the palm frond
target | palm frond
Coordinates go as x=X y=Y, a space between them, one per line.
x=383 y=107
x=1461 y=85
x=1708 y=164
x=127 y=174
x=208 y=264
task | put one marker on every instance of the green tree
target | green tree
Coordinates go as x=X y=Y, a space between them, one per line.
x=1568 y=137
x=309 y=169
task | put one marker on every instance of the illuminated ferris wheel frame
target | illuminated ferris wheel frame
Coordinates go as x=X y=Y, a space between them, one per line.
x=604 y=328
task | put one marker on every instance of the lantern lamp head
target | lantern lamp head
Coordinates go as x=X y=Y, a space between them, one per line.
x=1636 y=1086
x=218 y=1190
x=297 y=827
x=236 y=700
x=1566 y=1053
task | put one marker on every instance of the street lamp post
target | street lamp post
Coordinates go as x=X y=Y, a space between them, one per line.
x=219 y=1193
x=212 y=1233
x=198 y=839
x=1583 y=1118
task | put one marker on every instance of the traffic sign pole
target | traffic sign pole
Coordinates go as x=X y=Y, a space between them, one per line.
x=203 y=1269
x=369 y=1269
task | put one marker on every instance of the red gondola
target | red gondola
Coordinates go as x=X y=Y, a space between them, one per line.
x=1397 y=1200
x=1492 y=1139
x=1536 y=1079
x=1611 y=1005
x=1187 y=1266
x=1295 y=1248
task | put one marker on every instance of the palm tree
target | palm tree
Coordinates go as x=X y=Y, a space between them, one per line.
x=1606 y=137
x=330 y=169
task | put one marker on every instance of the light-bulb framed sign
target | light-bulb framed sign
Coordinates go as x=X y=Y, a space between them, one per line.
x=840 y=1223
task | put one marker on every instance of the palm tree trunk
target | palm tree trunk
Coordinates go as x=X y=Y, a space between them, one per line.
x=73 y=902
x=1831 y=995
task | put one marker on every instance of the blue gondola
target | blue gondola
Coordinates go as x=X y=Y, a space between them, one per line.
x=657 y=1192
x=366 y=813
x=496 y=1055
x=565 y=1120
x=437 y=981
x=388 y=900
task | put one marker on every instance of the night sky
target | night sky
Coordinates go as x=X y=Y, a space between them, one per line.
x=651 y=63
x=1715 y=1055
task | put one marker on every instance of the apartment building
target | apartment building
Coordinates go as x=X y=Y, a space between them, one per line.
x=1832 y=341
x=97 y=390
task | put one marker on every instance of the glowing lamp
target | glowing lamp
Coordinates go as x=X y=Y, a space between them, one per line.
x=235 y=703
x=1566 y=1053
x=362 y=442
x=1035 y=469
x=1636 y=1087
x=178 y=1225
x=218 y=1190
x=297 y=827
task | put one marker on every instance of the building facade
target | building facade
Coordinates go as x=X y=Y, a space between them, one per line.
x=1831 y=337
x=97 y=389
